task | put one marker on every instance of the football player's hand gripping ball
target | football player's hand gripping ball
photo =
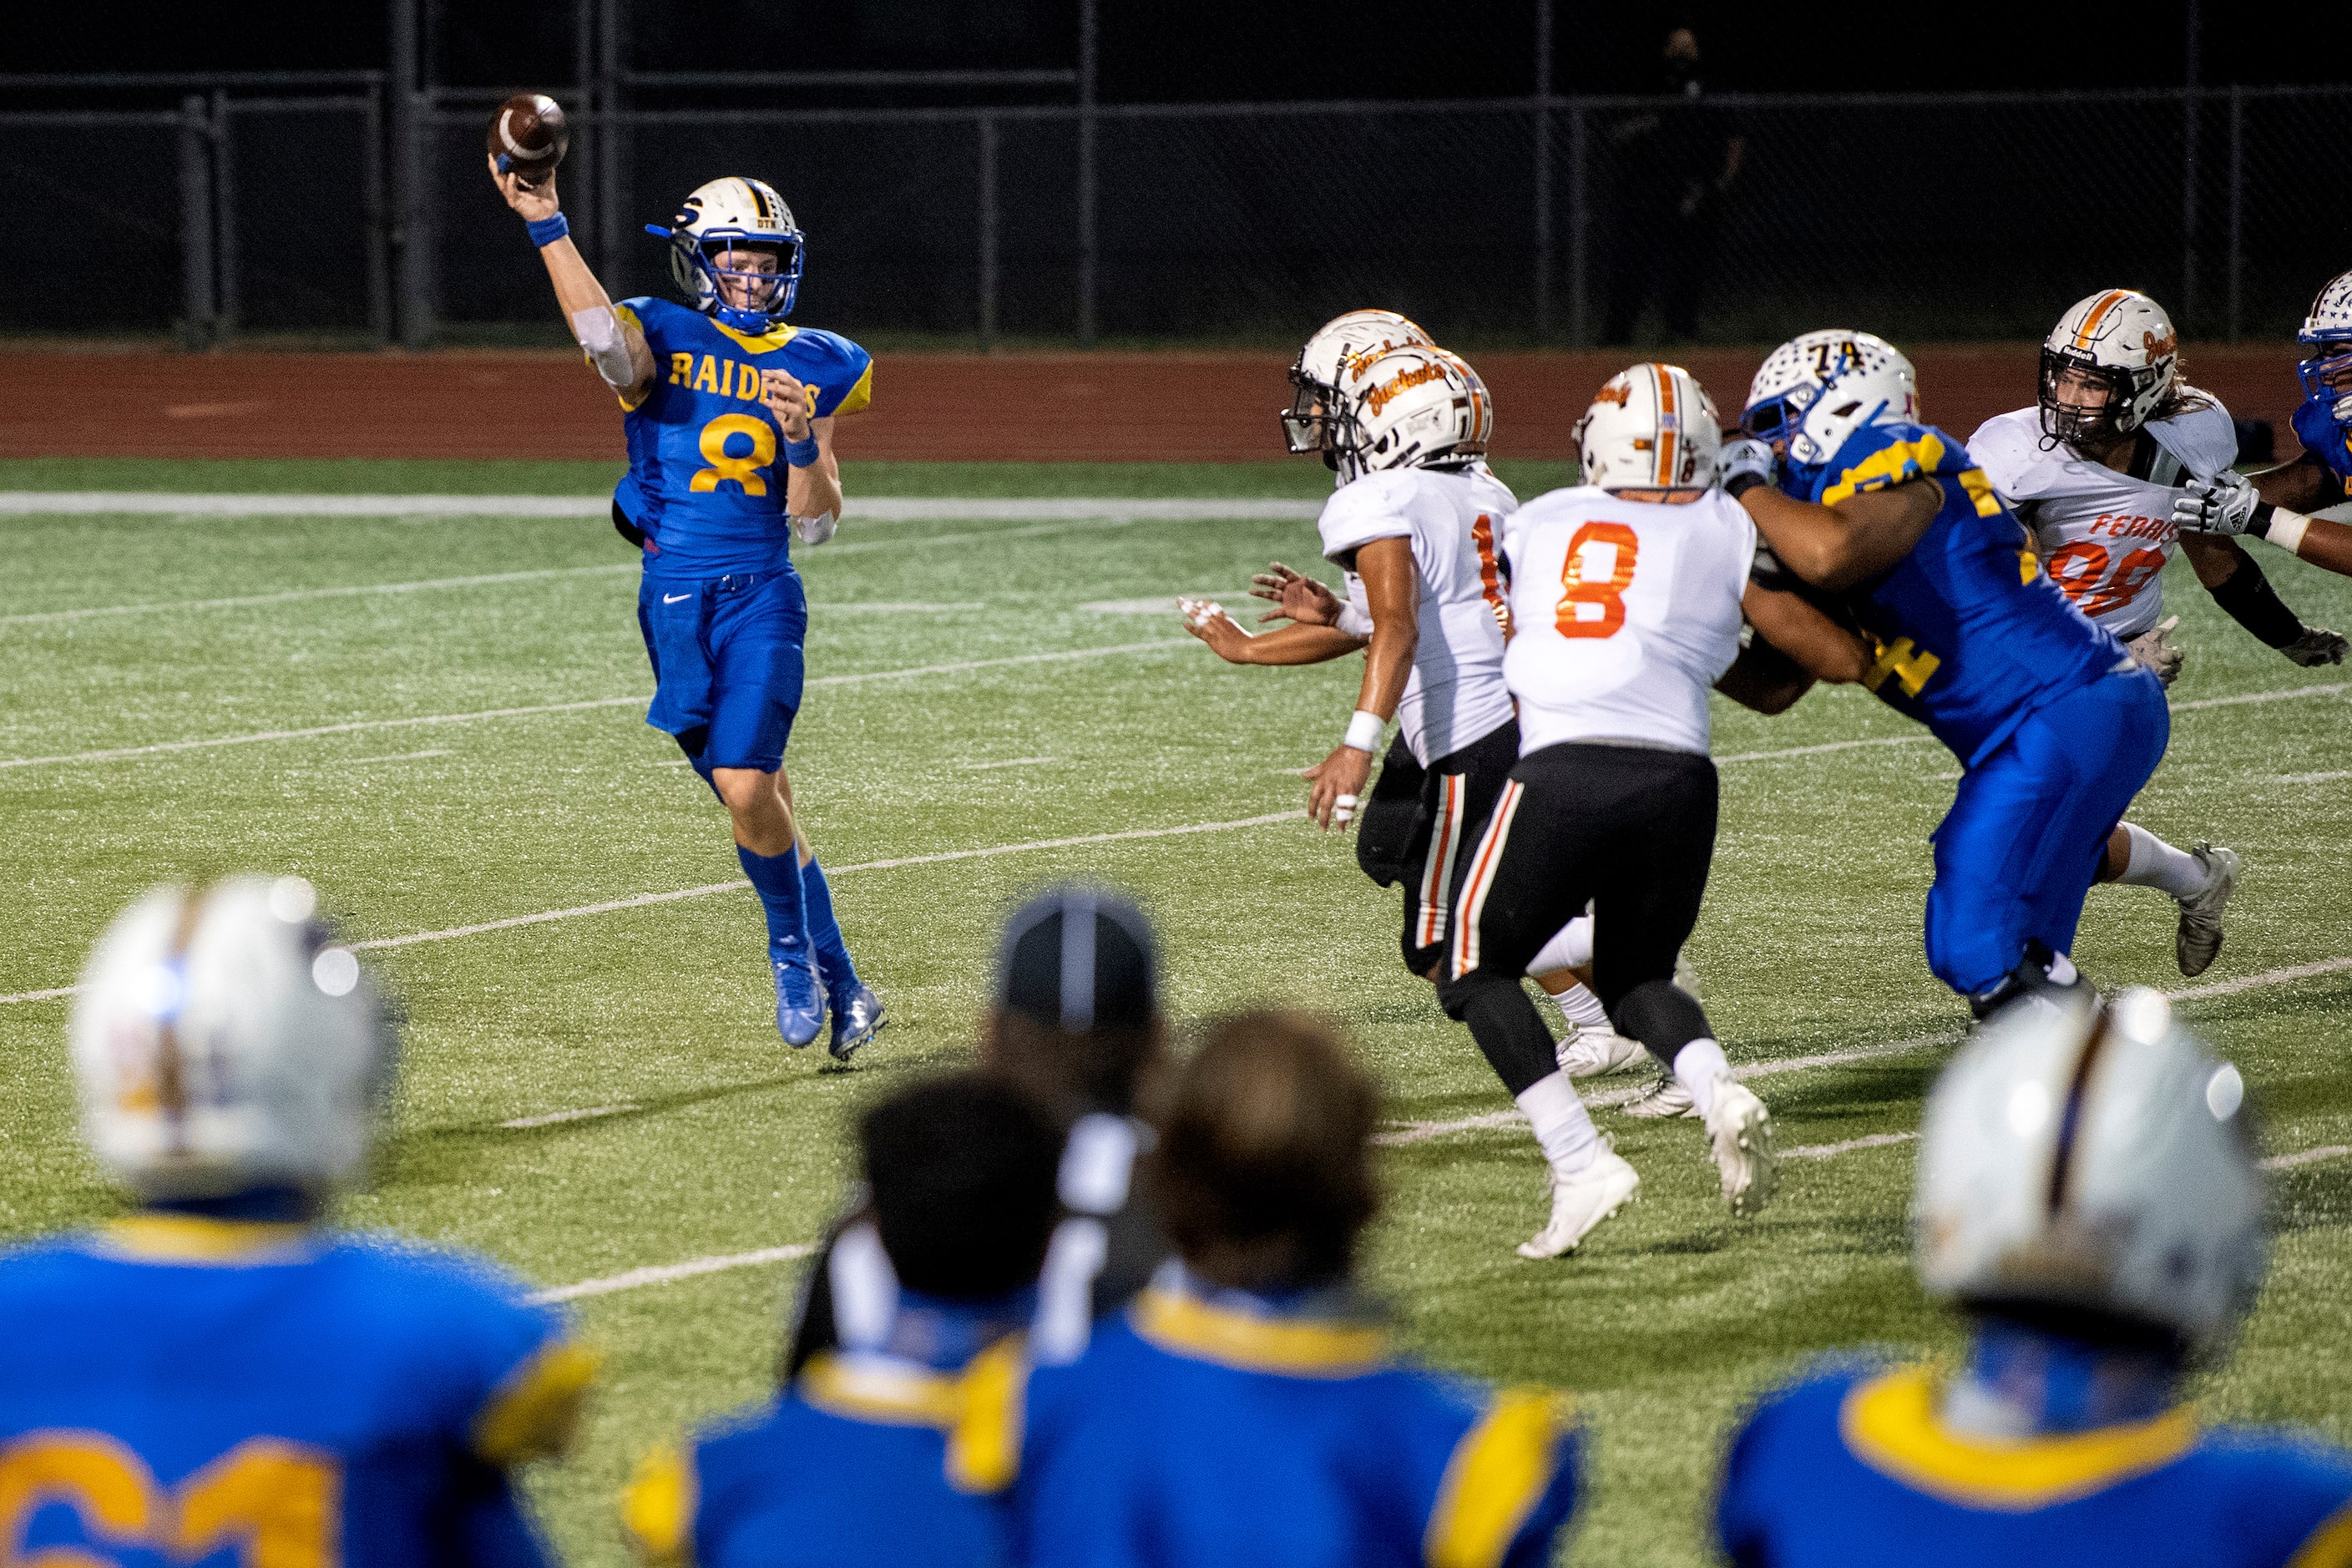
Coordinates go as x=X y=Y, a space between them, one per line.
x=533 y=204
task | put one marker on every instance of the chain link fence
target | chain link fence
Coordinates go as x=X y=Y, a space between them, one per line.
x=1554 y=221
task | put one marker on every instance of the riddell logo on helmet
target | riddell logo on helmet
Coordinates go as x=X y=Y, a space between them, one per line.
x=1403 y=381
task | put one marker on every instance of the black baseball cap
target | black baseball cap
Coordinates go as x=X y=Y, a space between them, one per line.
x=1075 y=957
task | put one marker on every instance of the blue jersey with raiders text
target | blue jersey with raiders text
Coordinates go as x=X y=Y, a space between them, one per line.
x=187 y=1393
x=1855 y=1470
x=1971 y=636
x=707 y=468
x=1202 y=1429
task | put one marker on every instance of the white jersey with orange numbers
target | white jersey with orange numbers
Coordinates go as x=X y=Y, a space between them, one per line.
x=2104 y=537
x=1626 y=615
x=1455 y=693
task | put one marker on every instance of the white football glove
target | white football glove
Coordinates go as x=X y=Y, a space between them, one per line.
x=1743 y=459
x=2151 y=649
x=2223 y=504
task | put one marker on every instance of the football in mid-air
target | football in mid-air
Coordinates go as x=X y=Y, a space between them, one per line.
x=528 y=137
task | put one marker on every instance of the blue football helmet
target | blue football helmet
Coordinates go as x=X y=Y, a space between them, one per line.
x=2327 y=366
x=735 y=215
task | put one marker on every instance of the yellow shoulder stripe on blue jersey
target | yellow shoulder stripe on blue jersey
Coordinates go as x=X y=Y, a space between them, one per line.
x=985 y=1445
x=1497 y=1472
x=2329 y=1546
x=535 y=1411
x=657 y=1508
x=1890 y=464
x=1890 y=1424
x=1981 y=492
x=859 y=395
x=869 y=1388
x=1296 y=1347
x=775 y=337
x=195 y=1238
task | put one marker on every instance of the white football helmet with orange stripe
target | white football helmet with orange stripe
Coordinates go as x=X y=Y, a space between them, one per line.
x=1814 y=392
x=1413 y=407
x=2106 y=366
x=224 y=1041
x=1327 y=364
x=1651 y=428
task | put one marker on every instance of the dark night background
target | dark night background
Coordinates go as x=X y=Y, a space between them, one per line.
x=1222 y=49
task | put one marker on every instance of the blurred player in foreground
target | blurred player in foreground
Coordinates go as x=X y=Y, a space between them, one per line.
x=1248 y=1408
x=845 y=1464
x=1890 y=523
x=1411 y=524
x=219 y=1376
x=2088 y=1196
x=1076 y=1026
x=2096 y=471
x=711 y=395
x=1627 y=595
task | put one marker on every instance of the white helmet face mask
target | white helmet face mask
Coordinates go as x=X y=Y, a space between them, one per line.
x=2093 y=1161
x=1812 y=393
x=2107 y=364
x=223 y=1041
x=733 y=216
x=1652 y=427
x=1329 y=365
x=1413 y=407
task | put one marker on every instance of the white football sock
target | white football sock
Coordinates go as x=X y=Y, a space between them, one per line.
x=2060 y=970
x=1581 y=1008
x=1570 y=947
x=1696 y=1067
x=1563 y=1126
x=2156 y=864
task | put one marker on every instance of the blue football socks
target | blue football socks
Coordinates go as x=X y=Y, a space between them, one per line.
x=777 y=879
x=832 y=963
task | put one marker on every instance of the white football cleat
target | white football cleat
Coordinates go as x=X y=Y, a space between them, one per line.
x=1660 y=1099
x=2199 y=940
x=1589 y=1052
x=1740 y=1131
x=1581 y=1202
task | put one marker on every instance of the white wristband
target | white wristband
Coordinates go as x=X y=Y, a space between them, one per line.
x=1356 y=622
x=2286 y=530
x=1364 y=731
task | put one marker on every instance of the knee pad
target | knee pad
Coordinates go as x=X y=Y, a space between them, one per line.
x=1662 y=1016
x=1458 y=996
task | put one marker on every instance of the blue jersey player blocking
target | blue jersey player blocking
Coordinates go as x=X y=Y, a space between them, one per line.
x=218 y=1379
x=2088 y=1194
x=846 y=1465
x=1890 y=525
x=712 y=395
x=1246 y=1407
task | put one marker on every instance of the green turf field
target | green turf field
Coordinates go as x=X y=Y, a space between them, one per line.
x=724 y=1142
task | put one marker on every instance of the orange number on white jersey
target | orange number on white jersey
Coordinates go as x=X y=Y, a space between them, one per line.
x=1603 y=597
x=2080 y=570
x=1490 y=575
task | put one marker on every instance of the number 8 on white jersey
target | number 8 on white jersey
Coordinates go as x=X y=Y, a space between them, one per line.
x=1625 y=612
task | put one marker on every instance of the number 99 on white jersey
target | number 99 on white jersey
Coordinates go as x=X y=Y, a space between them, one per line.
x=1625 y=612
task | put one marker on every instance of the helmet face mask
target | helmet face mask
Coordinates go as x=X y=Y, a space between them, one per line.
x=718 y=224
x=2107 y=368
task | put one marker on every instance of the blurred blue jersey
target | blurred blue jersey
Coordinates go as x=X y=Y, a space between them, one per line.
x=1855 y=1470
x=2324 y=439
x=844 y=1469
x=706 y=476
x=186 y=1391
x=1203 y=1431
x=1971 y=636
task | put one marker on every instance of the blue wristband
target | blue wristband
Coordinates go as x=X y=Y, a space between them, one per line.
x=801 y=454
x=546 y=231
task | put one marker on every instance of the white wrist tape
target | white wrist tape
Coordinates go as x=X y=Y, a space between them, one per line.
x=815 y=530
x=599 y=332
x=1356 y=622
x=2286 y=530
x=1364 y=731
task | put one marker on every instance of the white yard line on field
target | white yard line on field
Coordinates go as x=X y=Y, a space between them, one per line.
x=1007 y=762
x=880 y=508
x=857 y=678
x=552 y=1117
x=405 y=756
x=663 y=1274
x=2315 y=778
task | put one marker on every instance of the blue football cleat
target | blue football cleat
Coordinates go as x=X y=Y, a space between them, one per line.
x=799 y=1002
x=857 y=1018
